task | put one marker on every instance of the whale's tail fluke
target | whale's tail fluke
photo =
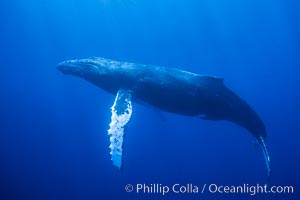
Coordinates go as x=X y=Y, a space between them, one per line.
x=266 y=155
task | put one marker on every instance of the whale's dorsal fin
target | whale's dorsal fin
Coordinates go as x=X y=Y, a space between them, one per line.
x=211 y=79
x=121 y=112
x=221 y=80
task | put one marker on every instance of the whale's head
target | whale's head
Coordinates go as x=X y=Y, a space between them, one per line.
x=101 y=72
x=85 y=67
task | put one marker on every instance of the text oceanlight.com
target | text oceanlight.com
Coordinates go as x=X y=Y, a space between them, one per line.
x=189 y=188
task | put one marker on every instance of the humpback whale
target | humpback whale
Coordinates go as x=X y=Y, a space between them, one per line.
x=169 y=89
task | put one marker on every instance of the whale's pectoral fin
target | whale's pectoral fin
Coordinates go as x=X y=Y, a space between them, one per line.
x=266 y=155
x=121 y=112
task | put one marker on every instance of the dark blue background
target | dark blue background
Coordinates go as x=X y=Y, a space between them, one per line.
x=53 y=142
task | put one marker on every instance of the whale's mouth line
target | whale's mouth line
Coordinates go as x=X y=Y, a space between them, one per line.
x=79 y=67
x=63 y=67
x=69 y=67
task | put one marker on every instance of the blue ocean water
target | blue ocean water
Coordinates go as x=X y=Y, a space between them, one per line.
x=53 y=130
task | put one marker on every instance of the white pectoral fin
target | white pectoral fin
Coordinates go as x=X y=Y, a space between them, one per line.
x=121 y=112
